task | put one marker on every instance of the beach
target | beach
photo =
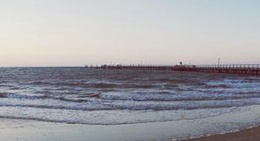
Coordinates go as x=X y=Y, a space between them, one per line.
x=252 y=134
x=31 y=130
x=43 y=132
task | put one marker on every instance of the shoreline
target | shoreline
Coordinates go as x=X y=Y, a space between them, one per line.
x=237 y=120
x=30 y=130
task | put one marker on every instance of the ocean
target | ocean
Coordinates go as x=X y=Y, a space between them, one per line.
x=74 y=95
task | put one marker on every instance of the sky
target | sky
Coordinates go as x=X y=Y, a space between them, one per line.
x=148 y=32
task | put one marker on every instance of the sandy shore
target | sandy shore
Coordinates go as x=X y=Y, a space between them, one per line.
x=241 y=118
x=252 y=134
x=23 y=130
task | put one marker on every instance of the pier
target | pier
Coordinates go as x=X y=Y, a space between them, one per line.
x=251 y=69
x=247 y=69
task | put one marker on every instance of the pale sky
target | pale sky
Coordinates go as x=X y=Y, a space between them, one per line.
x=157 y=32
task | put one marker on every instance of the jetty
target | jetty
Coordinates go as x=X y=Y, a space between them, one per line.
x=247 y=69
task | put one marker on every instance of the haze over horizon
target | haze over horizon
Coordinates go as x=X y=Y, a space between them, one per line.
x=157 y=32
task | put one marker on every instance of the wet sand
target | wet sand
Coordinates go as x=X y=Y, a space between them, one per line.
x=20 y=130
x=252 y=134
x=241 y=118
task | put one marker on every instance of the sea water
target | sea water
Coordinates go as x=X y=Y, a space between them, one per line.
x=120 y=97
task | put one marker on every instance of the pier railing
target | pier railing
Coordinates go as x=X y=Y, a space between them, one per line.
x=252 y=69
x=231 y=66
